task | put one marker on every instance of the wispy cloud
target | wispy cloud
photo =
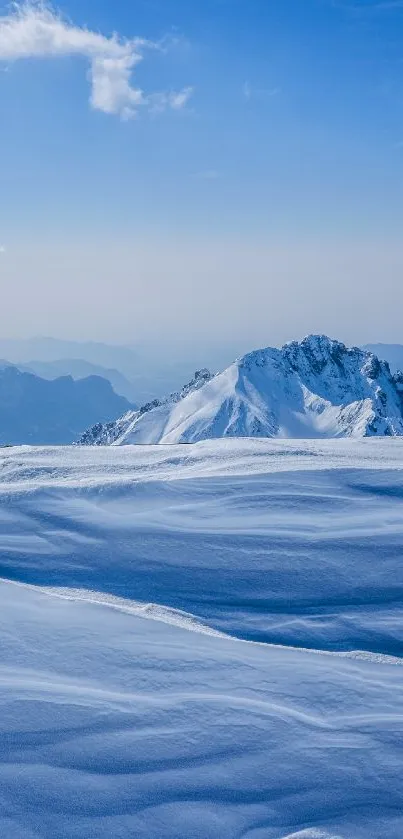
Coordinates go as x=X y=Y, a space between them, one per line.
x=35 y=30
x=249 y=92
x=159 y=102
x=179 y=100
x=2 y=249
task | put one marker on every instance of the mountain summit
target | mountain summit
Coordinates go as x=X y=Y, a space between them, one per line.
x=314 y=388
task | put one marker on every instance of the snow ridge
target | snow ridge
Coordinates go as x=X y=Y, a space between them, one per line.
x=185 y=620
x=148 y=611
x=316 y=388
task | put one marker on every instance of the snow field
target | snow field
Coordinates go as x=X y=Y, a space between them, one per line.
x=132 y=701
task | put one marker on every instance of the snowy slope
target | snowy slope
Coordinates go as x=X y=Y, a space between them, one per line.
x=316 y=388
x=124 y=712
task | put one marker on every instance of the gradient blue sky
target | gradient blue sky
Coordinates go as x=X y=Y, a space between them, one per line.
x=269 y=206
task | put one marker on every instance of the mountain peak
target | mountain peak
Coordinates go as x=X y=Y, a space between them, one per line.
x=315 y=343
x=318 y=350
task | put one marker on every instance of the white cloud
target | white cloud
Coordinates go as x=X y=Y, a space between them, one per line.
x=35 y=30
x=2 y=249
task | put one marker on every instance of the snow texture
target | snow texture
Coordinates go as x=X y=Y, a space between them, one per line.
x=314 y=389
x=202 y=642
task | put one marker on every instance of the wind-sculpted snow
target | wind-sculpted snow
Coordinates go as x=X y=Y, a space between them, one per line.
x=281 y=542
x=318 y=388
x=150 y=611
x=157 y=606
x=176 y=617
x=116 y=726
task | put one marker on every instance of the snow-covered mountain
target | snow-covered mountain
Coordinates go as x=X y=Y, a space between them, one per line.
x=316 y=388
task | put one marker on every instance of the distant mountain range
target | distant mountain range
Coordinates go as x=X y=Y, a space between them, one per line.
x=315 y=388
x=78 y=368
x=40 y=412
x=110 y=356
x=138 y=373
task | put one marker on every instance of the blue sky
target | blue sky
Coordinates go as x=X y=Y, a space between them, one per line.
x=290 y=135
